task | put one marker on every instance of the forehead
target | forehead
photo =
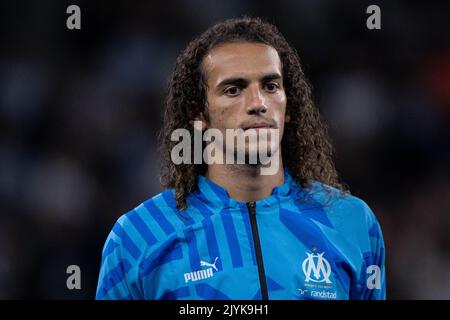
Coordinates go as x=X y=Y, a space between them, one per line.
x=241 y=59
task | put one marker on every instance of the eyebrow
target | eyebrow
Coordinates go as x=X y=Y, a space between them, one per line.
x=242 y=81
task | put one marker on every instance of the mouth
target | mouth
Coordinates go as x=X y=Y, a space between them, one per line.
x=259 y=125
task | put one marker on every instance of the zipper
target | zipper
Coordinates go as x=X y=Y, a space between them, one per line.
x=259 y=259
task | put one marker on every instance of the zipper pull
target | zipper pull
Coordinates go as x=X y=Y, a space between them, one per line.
x=251 y=206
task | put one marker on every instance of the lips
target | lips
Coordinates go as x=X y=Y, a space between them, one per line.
x=258 y=125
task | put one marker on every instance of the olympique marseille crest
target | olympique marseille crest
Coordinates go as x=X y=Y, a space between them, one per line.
x=317 y=272
x=316 y=268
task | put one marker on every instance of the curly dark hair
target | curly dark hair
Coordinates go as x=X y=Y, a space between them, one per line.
x=306 y=146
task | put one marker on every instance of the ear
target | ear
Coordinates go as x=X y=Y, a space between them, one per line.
x=199 y=122
x=287 y=118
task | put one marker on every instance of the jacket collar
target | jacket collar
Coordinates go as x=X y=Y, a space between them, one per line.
x=217 y=196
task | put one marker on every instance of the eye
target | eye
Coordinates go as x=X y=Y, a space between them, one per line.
x=232 y=91
x=272 y=86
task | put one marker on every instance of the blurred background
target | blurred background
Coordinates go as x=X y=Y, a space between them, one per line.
x=80 y=111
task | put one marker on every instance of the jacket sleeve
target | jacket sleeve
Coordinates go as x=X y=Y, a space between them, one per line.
x=374 y=275
x=116 y=269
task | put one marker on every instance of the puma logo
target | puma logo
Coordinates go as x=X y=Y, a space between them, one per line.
x=203 y=273
x=207 y=264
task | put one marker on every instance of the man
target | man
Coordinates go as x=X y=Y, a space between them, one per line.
x=226 y=231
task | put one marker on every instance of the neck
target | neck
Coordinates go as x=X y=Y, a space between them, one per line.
x=244 y=183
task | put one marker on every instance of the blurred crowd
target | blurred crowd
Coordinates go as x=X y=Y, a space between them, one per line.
x=80 y=111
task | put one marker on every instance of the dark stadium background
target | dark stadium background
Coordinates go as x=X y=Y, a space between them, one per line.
x=80 y=110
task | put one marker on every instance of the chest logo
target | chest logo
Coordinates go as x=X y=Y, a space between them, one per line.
x=207 y=264
x=202 y=273
x=316 y=268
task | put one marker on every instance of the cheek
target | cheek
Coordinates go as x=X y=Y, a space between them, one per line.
x=283 y=99
x=214 y=110
x=280 y=102
x=222 y=112
x=219 y=114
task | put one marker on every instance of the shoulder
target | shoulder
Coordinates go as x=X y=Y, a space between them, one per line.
x=140 y=241
x=348 y=213
x=147 y=224
x=336 y=200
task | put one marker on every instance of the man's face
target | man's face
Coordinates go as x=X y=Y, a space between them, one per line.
x=245 y=88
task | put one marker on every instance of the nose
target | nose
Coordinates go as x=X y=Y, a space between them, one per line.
x=255 y=101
